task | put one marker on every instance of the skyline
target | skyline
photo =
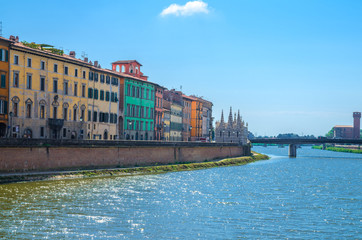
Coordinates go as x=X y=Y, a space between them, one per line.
x=288 y=67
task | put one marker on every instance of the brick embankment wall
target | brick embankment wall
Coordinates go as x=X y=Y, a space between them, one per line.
x=18 y=155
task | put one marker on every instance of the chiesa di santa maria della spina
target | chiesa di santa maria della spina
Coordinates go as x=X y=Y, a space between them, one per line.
x=234 y=130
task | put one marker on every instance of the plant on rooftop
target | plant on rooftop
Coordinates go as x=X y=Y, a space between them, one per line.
x=43 y=47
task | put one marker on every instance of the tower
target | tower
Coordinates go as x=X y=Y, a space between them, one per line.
x=356 y=125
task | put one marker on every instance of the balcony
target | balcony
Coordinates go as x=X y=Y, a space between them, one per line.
x=56 y=124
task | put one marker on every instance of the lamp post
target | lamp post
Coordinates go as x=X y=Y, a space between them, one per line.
x=130 y=124
x=190 y=128
x=11 y=124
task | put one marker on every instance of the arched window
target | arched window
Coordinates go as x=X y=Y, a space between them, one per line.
x=123 y=68
x=117 y=68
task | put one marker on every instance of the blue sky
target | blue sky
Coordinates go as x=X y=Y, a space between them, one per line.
x=289 y=66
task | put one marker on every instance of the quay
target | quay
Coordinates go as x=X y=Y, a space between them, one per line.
x=34 y=155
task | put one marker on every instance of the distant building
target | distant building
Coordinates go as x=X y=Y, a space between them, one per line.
x=233 y=131
x=342 y=131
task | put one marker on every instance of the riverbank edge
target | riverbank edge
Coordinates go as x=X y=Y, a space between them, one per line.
x=156 y=169
x=338 y=149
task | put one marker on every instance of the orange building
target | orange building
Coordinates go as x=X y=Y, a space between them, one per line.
x=196 y=118
x=4 y=85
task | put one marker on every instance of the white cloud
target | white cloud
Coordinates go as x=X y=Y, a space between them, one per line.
x=189 y=8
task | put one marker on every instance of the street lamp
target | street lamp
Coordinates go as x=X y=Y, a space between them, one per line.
x=11 y=114
x=130 y=124
x=190 y=128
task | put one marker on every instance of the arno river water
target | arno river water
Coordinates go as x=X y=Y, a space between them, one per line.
x=317 y=195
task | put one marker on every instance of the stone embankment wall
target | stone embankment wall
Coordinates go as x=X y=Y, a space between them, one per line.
x=32 y=155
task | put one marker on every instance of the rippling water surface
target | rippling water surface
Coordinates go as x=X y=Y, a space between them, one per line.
x=314 y=196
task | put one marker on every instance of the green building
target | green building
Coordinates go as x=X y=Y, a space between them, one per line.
x=136 y=103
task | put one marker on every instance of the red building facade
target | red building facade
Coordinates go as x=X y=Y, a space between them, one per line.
x=158 y=112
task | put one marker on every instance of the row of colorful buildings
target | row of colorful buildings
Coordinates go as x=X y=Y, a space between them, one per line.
x=45 y=93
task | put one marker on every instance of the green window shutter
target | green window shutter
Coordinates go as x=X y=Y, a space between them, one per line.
x=95 y=93
x=90 y=93
x=107 y=96
x=3 y=81
x=6 y=56
x=6 y=107
x=112 y=97
x=1 y=54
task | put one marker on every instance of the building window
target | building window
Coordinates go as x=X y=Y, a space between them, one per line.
x=75 y=89
x=96 y=94
x=147 y=91
x=102 y=78
x=112 y=97
x=65 y=114
x=65 y=88
x=89 y=116
x=55 y=67
x=15 y=109
x=42 y=65
x=142 y=92
x=16 y=79
x=84 y=74
x=3 y=81
x=42 y=83
x=64 y=132
x=42 y=111
x=83 y=90
x=16 y=59
x=96 y=77
x=108 y=79
x=91 y=75
x=107 y=96
x=3 y=107
x=82 y=115
x=55 y=85
x=101 y=97
x=55 y=109
x=29 y=62
x=74 y=114
x=41 y=131
x=28 y=81
x=128 y=90
x=65 y=70
x=95 y=116
x=76 y=73
x=28 y=110
x=90 y=92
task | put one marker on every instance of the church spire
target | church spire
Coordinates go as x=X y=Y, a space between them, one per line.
x=222 y=117
x=230 y=120
x=238 y=121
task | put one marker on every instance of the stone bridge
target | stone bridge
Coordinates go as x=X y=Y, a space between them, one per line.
x=294 y=142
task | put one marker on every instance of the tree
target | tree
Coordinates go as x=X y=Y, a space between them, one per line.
x=330 y=134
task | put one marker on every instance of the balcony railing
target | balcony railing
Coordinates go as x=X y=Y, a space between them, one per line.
x=55 y=123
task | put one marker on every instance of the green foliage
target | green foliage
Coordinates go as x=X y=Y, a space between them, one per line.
x=330 y=134
x=43 y=47
x=339 y=149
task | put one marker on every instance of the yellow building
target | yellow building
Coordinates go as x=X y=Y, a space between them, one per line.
x=48 y=96
x=4 y=85
x=103 y=92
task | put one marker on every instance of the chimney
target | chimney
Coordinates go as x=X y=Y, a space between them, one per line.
x=86 y=59
x=17 y=39
x=90 y=62
x=72 y=54
x=12 y=38
x=96 y=63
